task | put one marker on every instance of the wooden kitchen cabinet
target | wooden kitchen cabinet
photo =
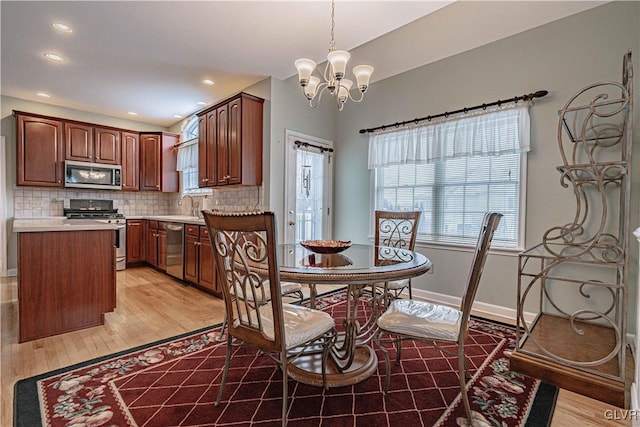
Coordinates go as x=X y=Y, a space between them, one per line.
x=230 y=142
x=107 y=146
x=207 y=149
x=87 y=143
x=130 y=161
x=148 y=159
x=135 y=241
x=59 y=294
x=191 y=253
x=39 y=151
x=78 y=141
x=151 y=252
x=156 y=253
x=222 y=145
x=208 y=277
x=199 y=263
x=158 y=159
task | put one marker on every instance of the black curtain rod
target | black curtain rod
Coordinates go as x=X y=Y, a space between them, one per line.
x=319 y=147
x=527 y=97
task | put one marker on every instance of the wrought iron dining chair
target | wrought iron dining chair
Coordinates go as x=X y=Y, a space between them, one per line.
x=244 y=249
x=424 y=321
x=287 y=289
x=397 y=230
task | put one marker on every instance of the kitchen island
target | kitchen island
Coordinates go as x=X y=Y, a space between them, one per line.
x=66 y=275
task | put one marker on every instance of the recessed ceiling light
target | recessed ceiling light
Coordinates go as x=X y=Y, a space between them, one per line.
x=43 y=95
x=208 y=82
x=62 y=27
x=54 y=57
x=177 y=116
x=132 y=113
x=201 y=103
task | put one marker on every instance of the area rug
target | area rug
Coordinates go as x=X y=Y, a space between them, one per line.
x=175 y=382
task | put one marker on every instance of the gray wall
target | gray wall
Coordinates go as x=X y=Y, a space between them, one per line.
x=290 y=111
x=561 y=57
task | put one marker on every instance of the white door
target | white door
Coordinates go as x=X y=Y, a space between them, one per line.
x=308 y=184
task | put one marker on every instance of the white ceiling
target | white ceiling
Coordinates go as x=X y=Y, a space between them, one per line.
x=150 y=57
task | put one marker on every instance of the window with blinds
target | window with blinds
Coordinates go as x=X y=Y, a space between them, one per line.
x=454 y=191
x=453 y=196
x=187 y=163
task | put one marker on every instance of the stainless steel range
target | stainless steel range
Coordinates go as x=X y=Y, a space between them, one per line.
x=90 y=209
x=102 y=211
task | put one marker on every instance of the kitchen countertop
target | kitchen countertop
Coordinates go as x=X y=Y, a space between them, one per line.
x=26 y=225
x=185 y=219
x=61 y=223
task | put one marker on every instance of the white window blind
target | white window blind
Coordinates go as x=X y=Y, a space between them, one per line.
x=454 y=191
x=187 y=163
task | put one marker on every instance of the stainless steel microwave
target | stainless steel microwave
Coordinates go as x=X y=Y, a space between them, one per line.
x=92 y=175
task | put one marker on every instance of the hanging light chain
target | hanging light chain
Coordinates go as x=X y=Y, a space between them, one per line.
x=332 y=43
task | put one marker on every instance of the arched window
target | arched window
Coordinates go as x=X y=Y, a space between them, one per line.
x=190 y=130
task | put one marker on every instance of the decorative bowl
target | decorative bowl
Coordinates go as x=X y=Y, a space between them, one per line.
x=326 y=246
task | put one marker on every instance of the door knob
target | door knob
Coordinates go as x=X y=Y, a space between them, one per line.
x=292 y=223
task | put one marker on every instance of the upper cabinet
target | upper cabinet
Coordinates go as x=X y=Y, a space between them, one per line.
x=230 y=142
x=158 y=159
x=39 y=151
x=107 y=146
x=78 y=142
x=148 y=159
x=130 y=161
x=87 y=143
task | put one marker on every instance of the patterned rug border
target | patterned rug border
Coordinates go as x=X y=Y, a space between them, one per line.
x=26 y=389
x=540 y=411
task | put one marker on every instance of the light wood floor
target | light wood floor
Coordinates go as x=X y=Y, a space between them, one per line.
x=152 y=306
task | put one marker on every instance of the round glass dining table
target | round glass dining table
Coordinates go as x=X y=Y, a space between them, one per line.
x=352 y=358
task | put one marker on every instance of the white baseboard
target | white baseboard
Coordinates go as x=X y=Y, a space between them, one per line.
x=504 y=314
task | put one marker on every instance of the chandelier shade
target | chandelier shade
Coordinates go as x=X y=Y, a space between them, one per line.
x=334 y=80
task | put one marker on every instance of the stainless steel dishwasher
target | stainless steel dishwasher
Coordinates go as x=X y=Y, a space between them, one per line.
x=175 y=257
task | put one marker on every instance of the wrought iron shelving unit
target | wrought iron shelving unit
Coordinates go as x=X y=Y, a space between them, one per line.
x=578 y=275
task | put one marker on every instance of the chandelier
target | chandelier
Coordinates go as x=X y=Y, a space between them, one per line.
x=334 y=72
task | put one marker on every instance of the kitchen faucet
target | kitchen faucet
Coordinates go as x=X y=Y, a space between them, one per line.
x=194 y=205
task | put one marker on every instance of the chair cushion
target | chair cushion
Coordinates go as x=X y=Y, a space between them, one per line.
x=394 y=285
x=290 y=287
x=301 y=324
x=421 y=319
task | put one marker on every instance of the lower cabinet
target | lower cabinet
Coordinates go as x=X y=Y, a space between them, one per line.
x=68 y=292
x=135 y=241
x=199 y=265
x=157 y=244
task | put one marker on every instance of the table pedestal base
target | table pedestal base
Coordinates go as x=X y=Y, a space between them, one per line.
x=307 y=369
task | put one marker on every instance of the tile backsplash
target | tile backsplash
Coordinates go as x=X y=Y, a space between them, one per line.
x=32 y=202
